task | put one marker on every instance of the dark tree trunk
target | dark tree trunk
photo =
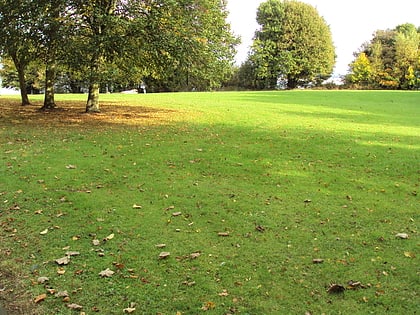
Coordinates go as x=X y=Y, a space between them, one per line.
x=20 y=67
x=49 y=102
x=292 y=83
x=23 y=90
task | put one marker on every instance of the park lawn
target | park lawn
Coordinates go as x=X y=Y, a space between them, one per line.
x=212 y=203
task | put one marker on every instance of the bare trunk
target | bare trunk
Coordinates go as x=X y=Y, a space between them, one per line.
x=22 y=86
x=49 y=102
x=20 y=67
x=292 y=83
x=92 y=105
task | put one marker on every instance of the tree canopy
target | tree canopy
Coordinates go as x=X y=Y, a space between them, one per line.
x=181 y=44
x=391 y=59
x=293 y=45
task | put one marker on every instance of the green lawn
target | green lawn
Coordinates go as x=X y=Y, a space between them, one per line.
x=245 y=189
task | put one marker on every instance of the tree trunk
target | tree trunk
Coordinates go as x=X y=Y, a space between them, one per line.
x=20 y=67
x=49 y=102
x=291 y=83
x=92 y=105
x=22 y=85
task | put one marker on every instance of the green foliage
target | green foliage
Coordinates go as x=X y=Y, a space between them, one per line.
x=352 y=156
x=361 y=70
x=181 y=45
x=294 y=44
x=394 y=56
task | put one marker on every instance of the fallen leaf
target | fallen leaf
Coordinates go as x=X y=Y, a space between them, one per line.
x=72 y=253
x=224 y=293
x=135 y=206
x=40 y=298
x=76 y=238
x=74 y=306
x=208 y=306
x=223 y=234
x=38 y=212
x=354 y=285
x=106 y=273
x=62 y=294
x=176 y=214
x=317 y=261
x=260 y=228
x=160 y=245
x=42 y=280
x=130 y=309
x=402 y=235
x=96 y=242
x=195 y=255
x=63 y=261
x=44 y=232
x=71 y=167
x=109 y=237
x=335 y=288
x=164 y=255
x=61 y=271
x=409 y=254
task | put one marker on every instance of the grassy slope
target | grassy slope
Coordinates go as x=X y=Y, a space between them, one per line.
x=242 y=163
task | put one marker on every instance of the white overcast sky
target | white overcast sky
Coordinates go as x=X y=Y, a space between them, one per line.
x=352 y=22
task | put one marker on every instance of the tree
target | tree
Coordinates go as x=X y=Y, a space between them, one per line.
x=51 y=36
x=16 y=38
x=361 y=70
x=394 y=56
x=294 y=44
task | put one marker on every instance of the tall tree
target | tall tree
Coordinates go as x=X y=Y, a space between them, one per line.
x=98 y=30
x=294 y=44
x=16 y=37
x=52 y=36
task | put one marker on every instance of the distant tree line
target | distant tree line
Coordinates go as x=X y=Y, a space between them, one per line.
x=391 y=60
x=109 y=45
x=79 y=46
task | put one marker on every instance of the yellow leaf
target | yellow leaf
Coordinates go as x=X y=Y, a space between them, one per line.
x=409 y=254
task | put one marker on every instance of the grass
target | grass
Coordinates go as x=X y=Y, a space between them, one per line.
x=245 y=189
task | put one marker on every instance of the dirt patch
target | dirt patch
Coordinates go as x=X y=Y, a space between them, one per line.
x=70 y=113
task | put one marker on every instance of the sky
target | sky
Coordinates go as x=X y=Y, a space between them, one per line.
x=352 y=22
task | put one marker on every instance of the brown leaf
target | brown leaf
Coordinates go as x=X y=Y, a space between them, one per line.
x=74 y=306
x=317 y=261
x=164 y=255
x=402 y=235
x=72 y=253
x=106 y=273
x=224 y=293
x=176 y=214
x=336 y=288
x=40 y=298
x=63 y=261
x=195 y=255
x=61 y=271
x=62 y=294
x=42 y=280
x=223 y=234
x=208 y=306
